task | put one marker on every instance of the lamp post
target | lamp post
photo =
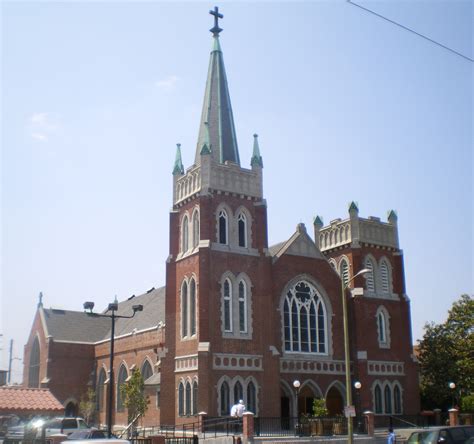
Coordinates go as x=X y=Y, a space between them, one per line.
x=347 y=362
x=452 y=386
x=297 y=385
x=112 y=308
x=357 y=386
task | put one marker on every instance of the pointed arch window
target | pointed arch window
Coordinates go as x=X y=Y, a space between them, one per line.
x=184 y=310
x=251 y=398
x=242 y=227
x=196 y=229
x=378 y=399
x=34 y=367
x=344 y=267
x=304 y=318
x=146 y=370
x=181 y=399
x=369 y=276
x=185 y=234
x=227 y=288
x=224 y=393
x=100 y=390
x=238 y=392
x=122 y=377
x=188 y=399
x=397 y=400
x=195 y=398
x=388 y=399
x=223 y=227
x=242 y=307
x=192 y=308
x=381 y=327
x=385 y=276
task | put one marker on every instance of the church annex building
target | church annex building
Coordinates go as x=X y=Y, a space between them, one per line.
x=237 y=318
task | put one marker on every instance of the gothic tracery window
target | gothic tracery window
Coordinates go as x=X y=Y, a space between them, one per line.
x=34 y=367
x=184 y=310
x=227 y=305
x=242 y=229
x=185 y=235
x=146 y=370
x=378 y=399
x=224 y=398
x=305 y=324
x=196 y=229
x=192 y=308
x=223 y=227
x=100 y=390
x=122 y=377
x=242 y=307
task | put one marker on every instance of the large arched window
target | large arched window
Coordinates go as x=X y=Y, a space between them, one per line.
x=370 y=275
x=385 y=276
x=242 y=307
x=304 y=318
x=192 y=307
x=378 y=399
x=242 y=228
x=224 y=394
x=34 y=367
x=227 y=294
x=344 y=271
x=196 y=230
x=238 y=392
x=251 y=398
x=147 y=370
x=100 y=390
x=195 y=398
x=223 y=227
x=388 y=399
x=122 y=377
x=181 y=399
x=397 y=400
x=185 y=234
x=188 y=399
x=184 y=309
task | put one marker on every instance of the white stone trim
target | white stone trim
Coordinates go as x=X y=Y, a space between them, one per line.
x=230 y=361
x=386 y=368
x=311 y=366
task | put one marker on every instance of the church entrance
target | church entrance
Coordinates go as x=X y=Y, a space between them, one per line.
x=335 y=402
x=71 y=409
x=305 y=401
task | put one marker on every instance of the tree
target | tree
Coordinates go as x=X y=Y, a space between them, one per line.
x=446 y=355
x=87 y=406
x=134 y=397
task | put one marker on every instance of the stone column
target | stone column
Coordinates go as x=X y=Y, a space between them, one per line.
x=370 y=418
x=247 y=428
x=202 y=419
x=453 y=417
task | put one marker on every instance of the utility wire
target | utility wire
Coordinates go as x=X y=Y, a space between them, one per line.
x=411 y=30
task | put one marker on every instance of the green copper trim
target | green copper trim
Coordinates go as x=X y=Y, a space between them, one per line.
x=178 y=163
x=206 y=148
x=318 y=221
x=353 y=206
x=256 y=159
x=392 y=214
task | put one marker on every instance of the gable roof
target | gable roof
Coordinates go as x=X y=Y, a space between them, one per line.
x=299 y=244
x=24 y=400
x=78 y=326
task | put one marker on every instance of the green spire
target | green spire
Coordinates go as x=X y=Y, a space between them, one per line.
x=178 y=163
x=256 y=157
x=206 y=146
x=392 y=216
x=353 y=207
x=318 y=222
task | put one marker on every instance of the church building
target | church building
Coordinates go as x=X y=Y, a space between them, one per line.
x=237 y=318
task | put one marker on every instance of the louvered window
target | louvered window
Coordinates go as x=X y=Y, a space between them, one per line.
x=385 y=277
x=369 y=277
x=345 y=271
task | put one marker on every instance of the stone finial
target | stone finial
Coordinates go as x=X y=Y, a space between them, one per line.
x=318 y=222
x=178 y=168
x=392 y=217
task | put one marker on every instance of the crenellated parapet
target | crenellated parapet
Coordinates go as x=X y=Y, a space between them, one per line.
x=356 y=231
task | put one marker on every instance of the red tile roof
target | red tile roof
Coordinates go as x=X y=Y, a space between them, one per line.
x=21 y=399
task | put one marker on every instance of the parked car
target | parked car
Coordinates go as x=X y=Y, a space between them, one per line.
x=99 y=441
x=443 y=435
x=87 y=434
x=62 y=425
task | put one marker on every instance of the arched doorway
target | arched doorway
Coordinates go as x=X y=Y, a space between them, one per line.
x=334 y=402
x=71 y=409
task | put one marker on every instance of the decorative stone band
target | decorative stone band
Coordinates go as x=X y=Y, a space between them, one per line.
x=385 y=368
x=311 y=366
x=185 y=363
x=222 y=361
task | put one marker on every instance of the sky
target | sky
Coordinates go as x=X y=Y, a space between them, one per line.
x=347 y=105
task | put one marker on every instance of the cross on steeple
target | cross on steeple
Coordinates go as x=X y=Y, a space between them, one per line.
x=215 y=12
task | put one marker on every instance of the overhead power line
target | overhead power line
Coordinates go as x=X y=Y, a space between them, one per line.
x=406 y=28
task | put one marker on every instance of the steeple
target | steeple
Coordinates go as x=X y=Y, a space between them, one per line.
x=219 y=136
x=178 y=163
x=256 y=157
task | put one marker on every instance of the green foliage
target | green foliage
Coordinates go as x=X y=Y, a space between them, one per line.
x=319 y=407
x=134 y=398
x=446 y=355
x=467 y=404
x=87 y=405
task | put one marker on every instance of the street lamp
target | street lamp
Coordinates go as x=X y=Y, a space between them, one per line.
x=452 y=386
x=357 y=386
x=349 y=407
x=297 y=385
x=113 y=307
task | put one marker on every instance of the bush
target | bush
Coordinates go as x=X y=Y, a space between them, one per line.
x=467 y=404
x=319 y=407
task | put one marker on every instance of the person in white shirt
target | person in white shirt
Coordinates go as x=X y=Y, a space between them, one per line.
x=240 y=408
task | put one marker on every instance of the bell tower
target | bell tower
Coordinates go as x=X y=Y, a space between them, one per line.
x=218 y=245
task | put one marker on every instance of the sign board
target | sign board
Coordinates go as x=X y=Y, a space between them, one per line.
x=349 y=410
